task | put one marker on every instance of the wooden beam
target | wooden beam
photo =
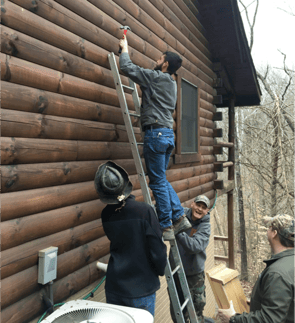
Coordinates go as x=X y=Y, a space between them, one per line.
x=206 y=123
x=27 y=99
x=228 y=164
x=217 y=133
x=220 y=238
x=217 y=116
x=217 y=150
x=224 y=144
x=18 y=178
x=31 y=150
x=217 y=82
x=218 y=184
x=187 y=158
x=228 y=186
x=206 y=141
x=218 y=167
x=217 y=99
x=221 y=258
x=206 y=132
x=192 y=193
x=33 y=125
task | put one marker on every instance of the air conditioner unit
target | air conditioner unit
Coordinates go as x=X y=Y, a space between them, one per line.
x=83 y=311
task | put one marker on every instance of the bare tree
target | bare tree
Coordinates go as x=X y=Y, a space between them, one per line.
x=264 y=153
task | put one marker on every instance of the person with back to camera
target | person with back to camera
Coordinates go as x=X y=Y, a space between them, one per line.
x=138 y=254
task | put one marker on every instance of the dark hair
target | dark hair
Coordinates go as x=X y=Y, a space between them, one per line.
x=174 y=61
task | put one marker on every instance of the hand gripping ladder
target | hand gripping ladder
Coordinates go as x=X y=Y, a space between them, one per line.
x=188 y=303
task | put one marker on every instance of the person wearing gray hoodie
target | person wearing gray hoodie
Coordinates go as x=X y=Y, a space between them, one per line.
x=192 y=246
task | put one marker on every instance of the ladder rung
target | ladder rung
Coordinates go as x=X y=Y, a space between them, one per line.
x=134 y=115
x=175 y=270
x=140 y=143
x=184 y=304
x=128 y=87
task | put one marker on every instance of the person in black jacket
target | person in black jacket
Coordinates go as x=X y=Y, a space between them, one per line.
x=272 y=299
x=138 y=254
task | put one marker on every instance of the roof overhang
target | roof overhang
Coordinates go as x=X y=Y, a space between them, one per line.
x=230 y=51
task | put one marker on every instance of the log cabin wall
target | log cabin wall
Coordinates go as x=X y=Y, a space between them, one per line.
x=61 y=119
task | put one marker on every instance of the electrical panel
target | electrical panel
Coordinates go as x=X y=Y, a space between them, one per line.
x=47 y=265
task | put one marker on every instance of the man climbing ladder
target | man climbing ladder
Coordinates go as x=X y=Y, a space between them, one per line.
x=178 y=271
x=158 y=103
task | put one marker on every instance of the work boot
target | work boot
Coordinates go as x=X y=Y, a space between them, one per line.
x=181 y=225
x=168 y=234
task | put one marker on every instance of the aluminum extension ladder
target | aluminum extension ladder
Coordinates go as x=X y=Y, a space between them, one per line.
x=169 y=273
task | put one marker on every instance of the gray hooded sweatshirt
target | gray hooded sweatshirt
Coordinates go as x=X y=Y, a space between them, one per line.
x=192 y=244
x=158 y=93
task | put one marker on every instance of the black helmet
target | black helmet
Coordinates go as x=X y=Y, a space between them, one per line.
x=112 y=183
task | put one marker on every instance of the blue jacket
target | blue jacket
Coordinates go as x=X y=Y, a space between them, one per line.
x=192 y=244
x=138 y=254
x=159 y=93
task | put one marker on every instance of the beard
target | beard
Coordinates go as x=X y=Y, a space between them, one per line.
x=158 y=67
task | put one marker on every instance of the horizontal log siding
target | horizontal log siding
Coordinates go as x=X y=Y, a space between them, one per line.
x=32 y=305
x=22 y=72
x=25 y=256
x=59 y=16
x=22 y=203
x=20 y=230
x=183 y=23
x=14 y=287
x=49 y=103
x=197 y=55
x=61 y=120
x=35 y=125
x=19 y=177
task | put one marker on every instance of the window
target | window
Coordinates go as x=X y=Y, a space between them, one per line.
x=187 y=132
x=189 y=117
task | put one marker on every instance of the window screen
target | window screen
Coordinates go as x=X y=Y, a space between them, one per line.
x=189 y=117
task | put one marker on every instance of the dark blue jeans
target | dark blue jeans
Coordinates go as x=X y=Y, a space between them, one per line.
x=158 y=145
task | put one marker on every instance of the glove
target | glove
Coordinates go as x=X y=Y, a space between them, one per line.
x=225 y=314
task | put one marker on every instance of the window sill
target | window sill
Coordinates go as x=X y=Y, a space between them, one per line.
x=187 y=158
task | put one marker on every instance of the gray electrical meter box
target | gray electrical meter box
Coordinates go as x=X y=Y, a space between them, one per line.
x=47 y=265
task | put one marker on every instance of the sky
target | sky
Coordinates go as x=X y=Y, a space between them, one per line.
x=274 y=29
